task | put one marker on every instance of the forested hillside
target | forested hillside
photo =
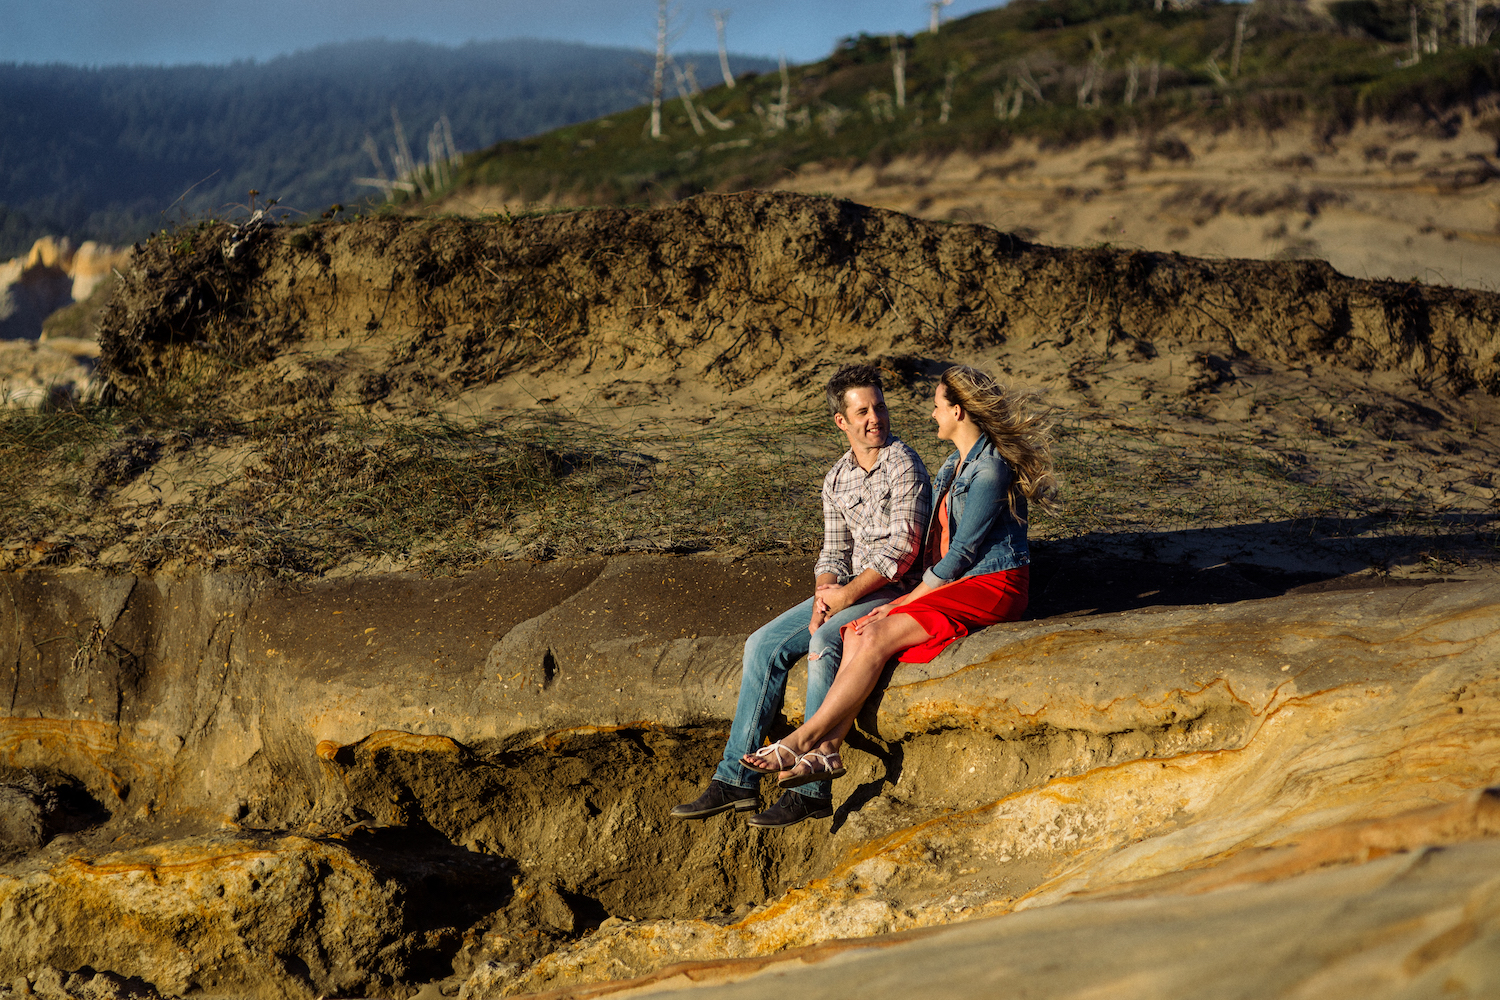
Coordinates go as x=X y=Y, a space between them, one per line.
x=110 y=153
x=1053 y=71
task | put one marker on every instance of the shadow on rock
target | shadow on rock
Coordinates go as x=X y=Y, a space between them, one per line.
x=1110 y=572
x=889 y=755
x=36 y=806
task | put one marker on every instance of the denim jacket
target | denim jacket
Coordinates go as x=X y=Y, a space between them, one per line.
x=983 y=536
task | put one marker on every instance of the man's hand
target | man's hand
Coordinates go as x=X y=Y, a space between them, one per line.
x=832 y=598
x=818 y=621
x=819 y=616
x=822 y=610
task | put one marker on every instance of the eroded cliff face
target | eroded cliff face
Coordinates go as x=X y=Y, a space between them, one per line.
x=361 y=786
x=37 y=370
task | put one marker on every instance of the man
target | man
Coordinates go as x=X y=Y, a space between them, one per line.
x=875 y=504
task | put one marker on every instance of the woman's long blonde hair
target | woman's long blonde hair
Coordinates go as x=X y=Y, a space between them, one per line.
x=1016 y=424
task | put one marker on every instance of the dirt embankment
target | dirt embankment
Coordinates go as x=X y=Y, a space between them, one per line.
x=729 y=289
x=1395 y=200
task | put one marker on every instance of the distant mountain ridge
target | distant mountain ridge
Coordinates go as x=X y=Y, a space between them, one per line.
x=111 y=153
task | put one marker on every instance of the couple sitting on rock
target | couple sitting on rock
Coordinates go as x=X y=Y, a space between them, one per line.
x=897 y=574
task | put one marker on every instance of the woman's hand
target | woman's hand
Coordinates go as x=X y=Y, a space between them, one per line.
x=874 y=616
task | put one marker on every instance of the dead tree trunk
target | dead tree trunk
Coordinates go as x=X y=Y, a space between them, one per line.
x=936 y=7
x=898 y=70
x=713 y=119
x=407 y=169
x=374 y=152
x=386 y=185
x=448 y=140
x=1239 y=42
x=1093 y=76
x=946 y=107
x=1026 y=80
x=720 y=16
x=436 y=162
x=659 y=75
x=683 y=92
x=1132 y=79
x=1212 y=65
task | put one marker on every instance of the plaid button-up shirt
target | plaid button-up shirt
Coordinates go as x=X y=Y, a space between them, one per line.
x=874 y=520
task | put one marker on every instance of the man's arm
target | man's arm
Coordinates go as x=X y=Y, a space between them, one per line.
x=837 y=552
x=838 y=540
x=833 y=598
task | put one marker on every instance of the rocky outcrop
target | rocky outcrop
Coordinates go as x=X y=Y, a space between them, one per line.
x=305 y=769
x=36 y=370
x=248 y=915
x=33 y=289
x=39 y=374
x=53 y=275
x=1349 y=708
x=1418 y=922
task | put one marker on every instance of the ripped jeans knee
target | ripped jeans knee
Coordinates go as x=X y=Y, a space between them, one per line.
x=822 y=667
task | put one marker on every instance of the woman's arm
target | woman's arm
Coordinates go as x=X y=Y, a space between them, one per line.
x=920 y=590
x=986 y=502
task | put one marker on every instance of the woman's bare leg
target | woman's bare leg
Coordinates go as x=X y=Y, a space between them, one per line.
x=865 y=656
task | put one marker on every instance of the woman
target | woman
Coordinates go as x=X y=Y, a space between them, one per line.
x=976 y=557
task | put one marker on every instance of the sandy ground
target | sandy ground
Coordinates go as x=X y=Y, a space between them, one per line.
x=1176 y=459
x=1378 y=202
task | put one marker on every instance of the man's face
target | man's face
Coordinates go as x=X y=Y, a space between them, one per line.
x=865 y=419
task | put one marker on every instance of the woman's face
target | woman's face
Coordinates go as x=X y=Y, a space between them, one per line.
x=945 y=413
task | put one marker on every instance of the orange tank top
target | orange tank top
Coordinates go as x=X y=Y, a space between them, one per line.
x=937 y=545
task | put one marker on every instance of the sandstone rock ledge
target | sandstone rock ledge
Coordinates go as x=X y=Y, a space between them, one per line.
x=370 y=784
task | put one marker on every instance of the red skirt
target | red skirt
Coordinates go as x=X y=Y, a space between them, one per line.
x=951 y=612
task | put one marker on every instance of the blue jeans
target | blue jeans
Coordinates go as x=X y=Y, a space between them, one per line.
x=770 y=653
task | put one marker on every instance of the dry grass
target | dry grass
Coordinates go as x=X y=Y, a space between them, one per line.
x=430 y=493
x=307 y=493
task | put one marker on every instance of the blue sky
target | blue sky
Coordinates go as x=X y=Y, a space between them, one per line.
x=96 y=32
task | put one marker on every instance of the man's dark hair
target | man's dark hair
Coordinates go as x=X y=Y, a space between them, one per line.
x=851 y=377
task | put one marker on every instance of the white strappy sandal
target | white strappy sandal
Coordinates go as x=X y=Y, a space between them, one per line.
x=768 y=759
x=821 y=767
